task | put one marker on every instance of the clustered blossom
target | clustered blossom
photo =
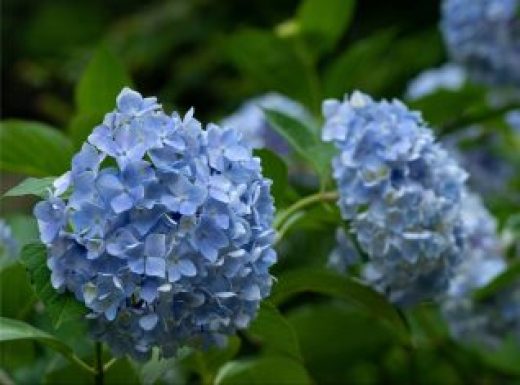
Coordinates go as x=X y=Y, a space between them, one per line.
x=402 y=193
x=447 y=77
x=162 y=229
x=484 y=37
x=251 y=121
x=8 y=245
x=486 y=322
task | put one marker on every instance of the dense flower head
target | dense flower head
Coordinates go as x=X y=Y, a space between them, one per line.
x=484 y=37
x=402 y=193
x=489 y=321
x=8 y=244
x=447 y=77
x=251 y=121
x=162 y=229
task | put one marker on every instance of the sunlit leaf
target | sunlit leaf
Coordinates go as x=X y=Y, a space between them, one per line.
x=32 y=186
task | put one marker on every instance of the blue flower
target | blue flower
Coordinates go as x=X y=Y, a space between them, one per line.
x=402 y=193
x=490 y=321
x=250 y=120
x=447 y=77
x=9 y=247
x=484 y=37
x=162 y=229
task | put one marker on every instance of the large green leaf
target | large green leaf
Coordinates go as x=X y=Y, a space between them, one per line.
x=303 y=140
x=330 y=330
x=274 y=168
x=61 y=307
x=275 y=332
x=340 y=286
x=324 y=21
x=32 y=186
x=14 y=330
x=16 y=295
x=103 y=79
x=445 y=106
x=274 y=64
x=275 y=370
x=33 y=148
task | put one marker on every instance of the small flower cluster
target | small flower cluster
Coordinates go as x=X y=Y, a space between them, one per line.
x=484 y=37
x=402 y=193
x=250 y=119
x=447 y=77
x=162 y=229
x=8 y=245
x=488 y=321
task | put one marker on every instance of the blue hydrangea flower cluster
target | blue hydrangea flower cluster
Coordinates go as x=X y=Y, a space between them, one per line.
x=447 y=77
x=486 y=322
x=402 y=193
x=8 y=244
x=162 y=229
x=484 y=37
x=250 y=119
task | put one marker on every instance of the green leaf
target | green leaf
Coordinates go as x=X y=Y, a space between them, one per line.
x=340 y=286
x=60 y=307
x=360 y=67
x=82 y=125
x=15 y=303
x=33 y=148
x=206 y=363
x=274 y=168
x=274 y=64
x=334 y=337
x=445 y=106
x=381 y=64
x=14 y=330
x=31 y=186
x=275 y=332
x=275 y=370
x=303 y=140
x=101 y=82
x=323 y=22
x=503 y=280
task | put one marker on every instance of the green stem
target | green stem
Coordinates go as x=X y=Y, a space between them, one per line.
x=99 y=375
x=82 y=364
x=327 y=196
x=109 y=364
